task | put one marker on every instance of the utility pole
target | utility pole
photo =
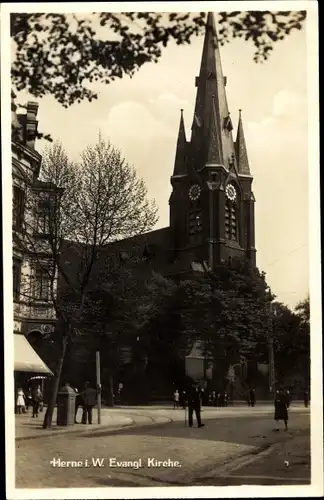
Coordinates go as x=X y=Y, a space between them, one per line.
x=272 y=374
x=98 y=386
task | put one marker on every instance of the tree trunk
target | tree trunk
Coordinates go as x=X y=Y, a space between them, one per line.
x=56 y=382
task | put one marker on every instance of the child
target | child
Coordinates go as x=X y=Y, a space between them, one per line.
x=20 y=401
x=176 y=399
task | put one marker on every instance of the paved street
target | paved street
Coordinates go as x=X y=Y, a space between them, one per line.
x=235 y=444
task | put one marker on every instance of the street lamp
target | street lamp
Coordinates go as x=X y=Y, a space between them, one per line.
x=195 y=365
x=272 y=375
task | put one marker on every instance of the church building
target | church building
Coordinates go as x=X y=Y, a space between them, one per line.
x=212 y=202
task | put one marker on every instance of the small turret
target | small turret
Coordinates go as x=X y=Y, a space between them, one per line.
x=240 y=149
x=180 y=158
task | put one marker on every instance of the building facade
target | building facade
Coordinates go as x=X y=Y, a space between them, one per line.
x=34 y=314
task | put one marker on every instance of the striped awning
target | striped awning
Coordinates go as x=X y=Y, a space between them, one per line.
x=26 y=359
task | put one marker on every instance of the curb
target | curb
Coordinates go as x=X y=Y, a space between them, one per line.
x=96 y=431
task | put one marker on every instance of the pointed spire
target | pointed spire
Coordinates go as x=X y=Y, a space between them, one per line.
x=240 y=149
x=180 y=159
x=214 y=144
x=211 y=82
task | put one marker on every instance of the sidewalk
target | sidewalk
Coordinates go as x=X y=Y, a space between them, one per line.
x=112 y=419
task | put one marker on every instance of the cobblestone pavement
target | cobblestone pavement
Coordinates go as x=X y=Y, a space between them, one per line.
x=189 y=453
x=284 y=463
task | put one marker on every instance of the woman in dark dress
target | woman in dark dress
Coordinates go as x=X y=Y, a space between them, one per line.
x=281 y=411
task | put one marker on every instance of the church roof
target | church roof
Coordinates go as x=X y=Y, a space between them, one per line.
x=211 y=133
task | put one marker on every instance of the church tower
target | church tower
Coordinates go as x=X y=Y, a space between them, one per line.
x=212 y=203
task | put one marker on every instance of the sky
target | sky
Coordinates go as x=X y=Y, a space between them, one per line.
x=140 y=115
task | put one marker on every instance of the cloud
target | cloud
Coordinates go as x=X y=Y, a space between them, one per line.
x=288 y=104
x=167 y=106
x=168 y=99
x=144 y=141
x=283 y=135
x=277 y=147
x=131 y=119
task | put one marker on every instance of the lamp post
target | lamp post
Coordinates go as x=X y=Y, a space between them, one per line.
x=272 y=374
x=98 y=385
x=196 y=366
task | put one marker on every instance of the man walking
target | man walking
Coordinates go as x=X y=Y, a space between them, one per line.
x=37 y=398
x=194 y=404
x=306 y=399
x=89 y=397
x=252 y=397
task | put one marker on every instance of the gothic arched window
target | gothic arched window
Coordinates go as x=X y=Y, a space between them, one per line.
x=231 y=221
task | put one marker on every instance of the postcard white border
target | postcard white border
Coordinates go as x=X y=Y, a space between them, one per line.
x=316 y=487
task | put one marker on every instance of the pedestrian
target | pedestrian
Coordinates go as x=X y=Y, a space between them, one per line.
x=37 y=398
x=20 y=401
x=225 y=398
x=202 y=396
x=176 y=396
x=288 y=398
x=213 y=398
x=89 y=398
x=252 y=397
x=306 y=399
x=78 y=403
x=281 y=411
x=183 y=399
x=29 y=399
x=217 y=402
x=194 y=398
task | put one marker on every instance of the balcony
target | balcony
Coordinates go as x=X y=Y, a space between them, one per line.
x=36 y=310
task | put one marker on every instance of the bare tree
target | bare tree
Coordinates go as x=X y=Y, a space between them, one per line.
x=80 y=209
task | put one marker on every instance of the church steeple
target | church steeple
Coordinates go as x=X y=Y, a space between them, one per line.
x=211 y=100
x=180 y=158
x=211 y=203
x=240 y=149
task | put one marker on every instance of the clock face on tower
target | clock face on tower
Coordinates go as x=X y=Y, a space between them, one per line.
x=230 y=192
x=194 y=192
